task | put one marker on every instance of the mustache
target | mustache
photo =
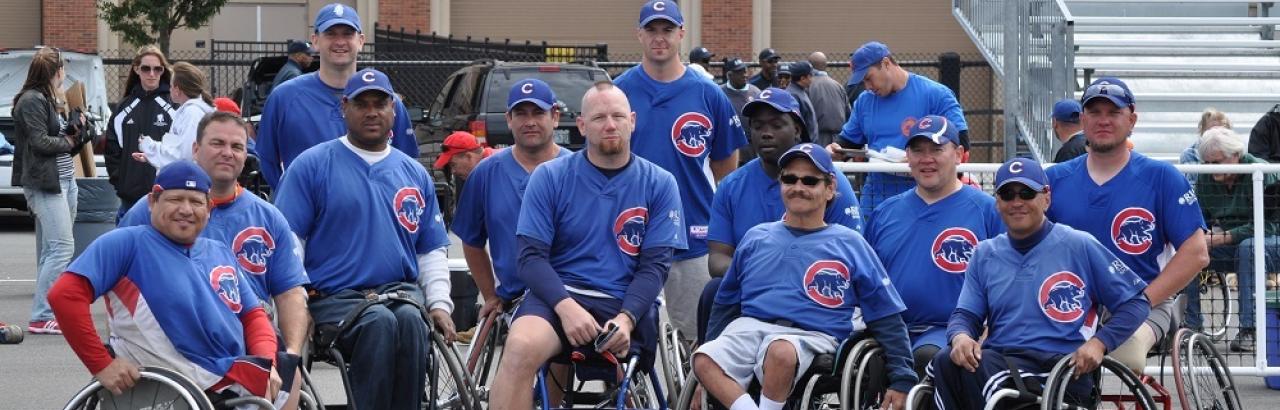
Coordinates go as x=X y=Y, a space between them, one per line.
x=797 y=194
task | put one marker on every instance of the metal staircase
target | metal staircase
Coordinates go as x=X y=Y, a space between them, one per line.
x=1178 y=56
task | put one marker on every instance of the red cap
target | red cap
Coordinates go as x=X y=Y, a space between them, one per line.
x=225 y=104
x=457 y=142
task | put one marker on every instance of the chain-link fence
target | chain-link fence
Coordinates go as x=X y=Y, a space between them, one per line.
x=1236 y=308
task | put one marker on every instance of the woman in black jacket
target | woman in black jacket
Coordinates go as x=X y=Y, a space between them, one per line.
x=42 y=166
x=144 y=110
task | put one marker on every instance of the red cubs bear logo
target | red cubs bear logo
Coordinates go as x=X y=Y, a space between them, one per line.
x=1062 y=297
x=690 y=133
x=226 y=282
x=253 y=246
x=628 y=228
x=409 y=207
x=1133 y=230
x=826 y=281
x=952 y=249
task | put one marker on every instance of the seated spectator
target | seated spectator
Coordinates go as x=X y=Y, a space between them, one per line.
x=1038 y=288
x=175 y=299
x=1227 y=203
x=766 y=326
x=1210 y=118
x=461 y=152
x=1066 y=126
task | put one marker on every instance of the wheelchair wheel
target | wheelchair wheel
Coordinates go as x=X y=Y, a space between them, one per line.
x=1201 y=374
x=675 y=357
x=812 y=397
x=485 y=353
x=921 y=396
x=862 y=380
x=1055 y=387
x=157 y=388
x=450 y=387
x=688 y=395
x=1215 y=304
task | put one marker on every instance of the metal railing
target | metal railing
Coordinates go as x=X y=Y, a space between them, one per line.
x=1241 y=364
x=1030 y=45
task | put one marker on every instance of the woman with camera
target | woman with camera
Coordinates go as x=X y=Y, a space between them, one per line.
x=190 y=90
x=42 y=165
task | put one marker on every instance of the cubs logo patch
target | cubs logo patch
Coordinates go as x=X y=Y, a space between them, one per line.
x=1062 y=297
x=226 y=283
x=1133 y=230
x=952 y=249
x=826 y=281
x=629 y=228
x=409 y=207
x=253 y=246
x=690 y=133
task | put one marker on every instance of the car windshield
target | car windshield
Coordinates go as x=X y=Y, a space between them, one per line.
x=569 y=86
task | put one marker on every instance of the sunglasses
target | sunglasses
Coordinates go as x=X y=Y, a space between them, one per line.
x=808 y=180
x=151 y=69
x=1107 y=89
x=1024 y=193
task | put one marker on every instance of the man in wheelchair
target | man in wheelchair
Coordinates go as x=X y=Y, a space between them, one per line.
x=372 y=229
x=597 y=231
x=1039 y=288
x=793 y=288
x=175 y=300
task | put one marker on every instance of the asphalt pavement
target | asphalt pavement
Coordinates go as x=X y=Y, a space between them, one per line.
x=43 y=373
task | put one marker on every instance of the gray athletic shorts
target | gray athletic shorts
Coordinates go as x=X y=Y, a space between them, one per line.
x=684 y=286
x=740 y=349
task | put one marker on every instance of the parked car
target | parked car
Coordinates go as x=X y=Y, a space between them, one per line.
x=84 y=68
x=252 y=96
x=474 y=99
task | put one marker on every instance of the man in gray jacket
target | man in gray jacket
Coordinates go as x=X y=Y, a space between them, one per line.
x=801 y=78
x=830 y=104
x=739 y=91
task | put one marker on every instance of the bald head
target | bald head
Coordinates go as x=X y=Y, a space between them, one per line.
x=602 y=92
x=818 y=60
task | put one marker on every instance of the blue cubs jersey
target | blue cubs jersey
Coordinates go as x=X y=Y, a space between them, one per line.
x=363 y=225
x=597 y=225
x=305 y=111
x=265 y=248
x=878 y=122
x=1147 y=205
x=682 y=126
x=748 y=197
x=927 y=248
x=192 y=295
x=827 y=281
x=1047 y=299
x=489 y=198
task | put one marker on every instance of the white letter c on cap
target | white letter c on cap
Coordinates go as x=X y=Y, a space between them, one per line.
x=764 y=95
x=367 y=77
x=1015 y=167
x=527 y=88
x=659 y=6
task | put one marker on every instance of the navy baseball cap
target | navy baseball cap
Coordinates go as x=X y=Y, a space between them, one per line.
x=935 y=128
x=814 y=152
x=531 y=90
x=768 y=54
x=801 y=69
x=784 y=69
x=1110 y=88
x=700 y=54
x=780 y=100
x=300 y=47
x=735 y=64
x=1067 y=110
x=368 y=80
x=661 y=10
x=1025 y=171
x=867 y=56
x=335 y=14
x=183 y=174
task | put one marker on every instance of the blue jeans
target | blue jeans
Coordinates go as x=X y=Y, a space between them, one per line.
x=54 y=213
x=1239 y=258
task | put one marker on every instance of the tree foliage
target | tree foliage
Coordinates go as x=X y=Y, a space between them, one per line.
x=142 y=22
